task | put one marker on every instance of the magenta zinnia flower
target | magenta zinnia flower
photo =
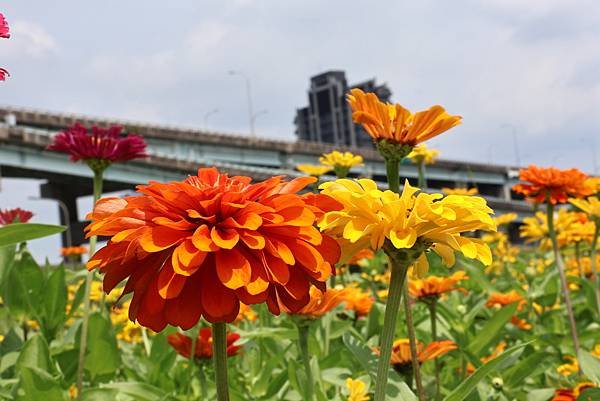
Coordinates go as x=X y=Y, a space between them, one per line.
x=18 y=215
x=3 y=74
x=3 y=27
x=99 y=146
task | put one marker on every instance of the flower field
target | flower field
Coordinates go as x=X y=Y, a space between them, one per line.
x=220 y=287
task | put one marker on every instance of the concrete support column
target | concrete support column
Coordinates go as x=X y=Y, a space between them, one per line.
x=66 y=196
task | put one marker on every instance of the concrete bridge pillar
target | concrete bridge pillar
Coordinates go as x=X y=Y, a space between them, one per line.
x=67 y=196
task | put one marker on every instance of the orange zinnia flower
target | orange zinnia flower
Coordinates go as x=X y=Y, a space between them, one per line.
x=401 y=351
x=204 y=344
x=434 y=286
x=502 y=299
x=73 y=251
x=396 y=124
x=359 y=301
x=201 y=246
x=571 y=394
x=552 y=184
x=365 y=253
x=320 y=302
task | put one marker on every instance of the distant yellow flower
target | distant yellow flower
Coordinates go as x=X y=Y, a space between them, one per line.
x=314 y=170
x=593 y=183
x=505 y=218
x=570 y=227
x=421 y=154
x=411 y=220
x=341 y=162
x=570 y=367
x=1 y=338
x=127 y=330
x=596 y=350
x=96 y=292
x=357 y=390
x=590 y=205
x=460 y=191
x=396 y=124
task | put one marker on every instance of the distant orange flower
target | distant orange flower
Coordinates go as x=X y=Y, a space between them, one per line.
x=521 y=323
x=320 y=302
x=571 y=394
x=73 y=251
x=246 y=313
x=201 y=246
x=552 y=184
x=502 y=299
x=500 y=347
x=396 y=124
x=434 y=286
x=401 y=351
x=359 y=301
x=204 y=344
x=365 y=253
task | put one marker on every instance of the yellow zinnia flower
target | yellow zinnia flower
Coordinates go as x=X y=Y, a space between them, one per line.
x=505 y=218
x=394 y=123
x=314 y=170
x=590 y=205
x=420 y=154
x=127 y=330
x=411 y=220
x=460 y=191
x=357 y=390
x=341 y=162
x=569 y=368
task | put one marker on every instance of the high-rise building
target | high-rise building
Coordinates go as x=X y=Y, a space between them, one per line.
x=328 y=118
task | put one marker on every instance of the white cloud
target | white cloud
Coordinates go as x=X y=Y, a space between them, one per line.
x=29 y=39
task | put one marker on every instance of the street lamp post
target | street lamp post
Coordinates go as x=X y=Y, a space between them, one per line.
x=66 y=217
x=249 y=96
x=258 y=114
x=208 y=114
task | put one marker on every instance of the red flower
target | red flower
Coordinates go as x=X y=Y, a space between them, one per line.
x=101 y=144
x=17 y=215
x=4 y=27
x=204 y=344
x=3 y=74
x=552 y=184
x=200 y=246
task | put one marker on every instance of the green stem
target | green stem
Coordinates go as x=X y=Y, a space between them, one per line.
x=561 y=273
x=595 y=277
x=412 y=342
x=203 y=385
x=86 y=303
x=393 y=175
x=422 y=179
x=303 y=330
x=398 y=276
x=578 y=259
x=433 y=317
x=219 y=333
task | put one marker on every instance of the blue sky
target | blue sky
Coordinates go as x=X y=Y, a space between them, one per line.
x=505 y=65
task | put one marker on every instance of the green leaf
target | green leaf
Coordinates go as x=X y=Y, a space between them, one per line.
x=492 y=329
x=540 y=394
x=99 y=394
x=590 y=394
x=139 y=391
x=77 y=300
x=22 y=294
x=35 y=354
x=39 y=385
x=102 y=359
x=515 y=375
x=7 y=256
x=21 y=232
x=590 y=365
x=467 y=386
x=55 y=302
